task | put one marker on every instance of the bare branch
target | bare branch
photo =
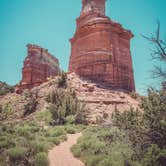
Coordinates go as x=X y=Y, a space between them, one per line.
x=158 y=53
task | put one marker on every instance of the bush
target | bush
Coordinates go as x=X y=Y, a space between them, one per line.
x=55 y=140
x=62 y=80
x=17 y=153
x=44 y=115
x=101 y=146
x=56 y=132
x=71 y=119
x=155 y=117
x=95 y=161
x=41 y=159
x=81 y=116
x=6 y=111
x=70 y=130
x=62 y=105
x=30 y=107
x=5 y=88
x=21 y=141
x=146 y=130
x=134 y=95
x=4 y=144
x=154 y=156
x=120 y=155
x=39 y=146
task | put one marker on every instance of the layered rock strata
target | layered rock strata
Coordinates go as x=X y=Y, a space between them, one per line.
x=100 y=48
x=38 y=66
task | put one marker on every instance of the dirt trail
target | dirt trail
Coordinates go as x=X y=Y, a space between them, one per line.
x=61 y=155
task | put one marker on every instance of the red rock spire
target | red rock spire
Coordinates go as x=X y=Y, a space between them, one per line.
x=100 y=48
x=93 y=6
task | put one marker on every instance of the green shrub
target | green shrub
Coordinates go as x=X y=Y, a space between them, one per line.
x=63 y=137
x=5 y=111
x=17 y=153
x=62 y=105
x=39 y=146
x=154 y=156
x=70 y=130
x=26 y=130
x=76 y=150
x=41 y=159
x=4 y=144
x=94 y=160
x=101 y=146
x=146 y=130
x=30 y=107
x=44 y=115
x=3 y=161
x=21 y=141
x=55 y=140
x=81 y=116
x=154 y=117
x=62 y=80
x=1 y=109
x=120 y=155
x=70 y=119
x=134 y=95
x=56 y=132
x=5 y=88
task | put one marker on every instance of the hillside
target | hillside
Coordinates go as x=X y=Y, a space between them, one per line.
x=99 y=101
x=36 y=121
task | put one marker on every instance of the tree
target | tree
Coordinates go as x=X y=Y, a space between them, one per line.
x=158 y=53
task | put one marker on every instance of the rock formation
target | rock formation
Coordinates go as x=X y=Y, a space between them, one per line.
x=100 y=101
x=38 y=66
x=100 y=48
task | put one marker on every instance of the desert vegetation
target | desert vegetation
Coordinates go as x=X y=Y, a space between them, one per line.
x=26 y=142
x=134 y=139
x=5 y=88
x=65 y=107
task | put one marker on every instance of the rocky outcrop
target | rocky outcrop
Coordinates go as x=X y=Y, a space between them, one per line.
x=100 y=48
x=38 y=66
x=100 y=101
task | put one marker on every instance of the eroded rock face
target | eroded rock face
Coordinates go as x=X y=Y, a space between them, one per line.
x=100 y=48
x=100 y=101
x=38 y=66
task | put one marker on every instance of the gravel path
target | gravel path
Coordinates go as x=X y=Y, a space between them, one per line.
x=61 y=155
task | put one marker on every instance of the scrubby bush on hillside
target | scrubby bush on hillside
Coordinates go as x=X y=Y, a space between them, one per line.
x=101 y=146
x=44 y=116
x=41 y=159
x=4 y=88
x=82 y=115
x=17 y=154
x=62 y=80
x=30 y=107
x=135 y=138
x=31 y=104
x=134 y=95
x=146 y=130
x=22 y=142
x=63 y=104
x=5 y=111
x=155 y=116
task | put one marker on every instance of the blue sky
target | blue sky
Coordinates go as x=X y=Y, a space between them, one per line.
x=51 y=23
